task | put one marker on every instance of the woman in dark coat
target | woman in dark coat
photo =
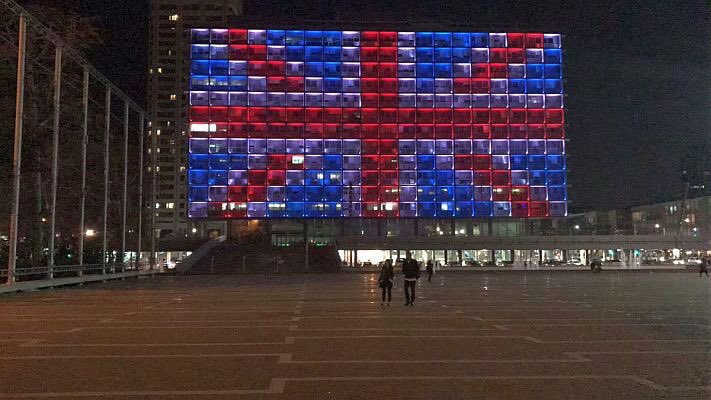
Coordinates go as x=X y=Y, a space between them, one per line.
x=387 y=274
x=430 y=270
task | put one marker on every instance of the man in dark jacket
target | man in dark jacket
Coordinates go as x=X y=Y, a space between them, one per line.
x=412 y=272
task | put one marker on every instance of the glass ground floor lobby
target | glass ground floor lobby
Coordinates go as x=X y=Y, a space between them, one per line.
x=476 y=258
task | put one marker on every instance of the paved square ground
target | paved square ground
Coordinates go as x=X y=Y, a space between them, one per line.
x=535 y=335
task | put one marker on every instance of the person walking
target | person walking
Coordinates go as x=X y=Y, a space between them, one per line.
x=703 y=267
x=411 y=271
x=430 y=270
x=387 y=274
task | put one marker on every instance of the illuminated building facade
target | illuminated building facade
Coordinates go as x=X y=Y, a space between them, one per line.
x=375 y=124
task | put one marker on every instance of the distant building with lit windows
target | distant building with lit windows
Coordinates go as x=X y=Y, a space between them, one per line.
x=167 y=98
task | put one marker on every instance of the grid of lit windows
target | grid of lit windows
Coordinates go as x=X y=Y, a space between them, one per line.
x=375 y=124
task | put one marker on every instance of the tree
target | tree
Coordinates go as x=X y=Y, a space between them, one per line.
x=76 y=31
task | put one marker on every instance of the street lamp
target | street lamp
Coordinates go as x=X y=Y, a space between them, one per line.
x=664 y=230
x=90 y=233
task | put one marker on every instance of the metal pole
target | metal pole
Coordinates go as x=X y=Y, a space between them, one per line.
x=306 y=246
x=84 y=140
x=17 y=152
x=55 y=155
x=140 y=188
x=154 y=183
x=125 y=181
x=107 y=136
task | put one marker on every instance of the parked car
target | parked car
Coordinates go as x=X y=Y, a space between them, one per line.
x=613 y=263
x=453 y=264
x=552 y=263
x=368 y=264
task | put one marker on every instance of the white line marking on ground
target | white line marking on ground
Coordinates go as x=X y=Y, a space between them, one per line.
x=151 y=356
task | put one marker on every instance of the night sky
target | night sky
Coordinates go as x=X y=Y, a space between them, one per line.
x=638 y=73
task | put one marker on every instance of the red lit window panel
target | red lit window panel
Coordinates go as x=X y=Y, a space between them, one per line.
x=481 y=162
x=554 y=131
x=519 y=209
x=387 y=39
x=388 y=131
x=461 y=116
x=517 y=56
x=534 y=40
x=276 y=178
x=443 y=131
x=463 y=162
x=369 y=38
x=554 y=116
x=501 y=177
x=219 y=114
x=497 y=55
x=257 y=52
x=239 y=36
x=277 y=68
x=425 y=131
x=536 y=116
x=369 y=162
x=480 y=85
x=499 y=131
x=407 y=115
x=515 y=40
x=369 y=54
x=295 y=83
x=238 y=52
x=257 y=67
x=256 y=193
x=499 y=70
x=480 y=71
x=387 y=54
x=462 y=85
x=482 y=178
x=462 y=131
x=258 y=114
x=332 y=131
x=276 y=114
x=369 y=100
x=481 y=131
x=538 y=209
x=536 y=131
x=237 y=193
x=501 y=193
x=370 y=131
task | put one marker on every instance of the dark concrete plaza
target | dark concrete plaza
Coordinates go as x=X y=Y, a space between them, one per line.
x=541 y=335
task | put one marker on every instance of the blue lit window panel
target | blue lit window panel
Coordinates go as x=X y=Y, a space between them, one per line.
x=325 y=124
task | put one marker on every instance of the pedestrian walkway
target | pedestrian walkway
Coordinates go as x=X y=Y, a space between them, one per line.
x=503 y=336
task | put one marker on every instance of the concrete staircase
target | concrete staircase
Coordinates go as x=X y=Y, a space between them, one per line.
x=256 y=255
